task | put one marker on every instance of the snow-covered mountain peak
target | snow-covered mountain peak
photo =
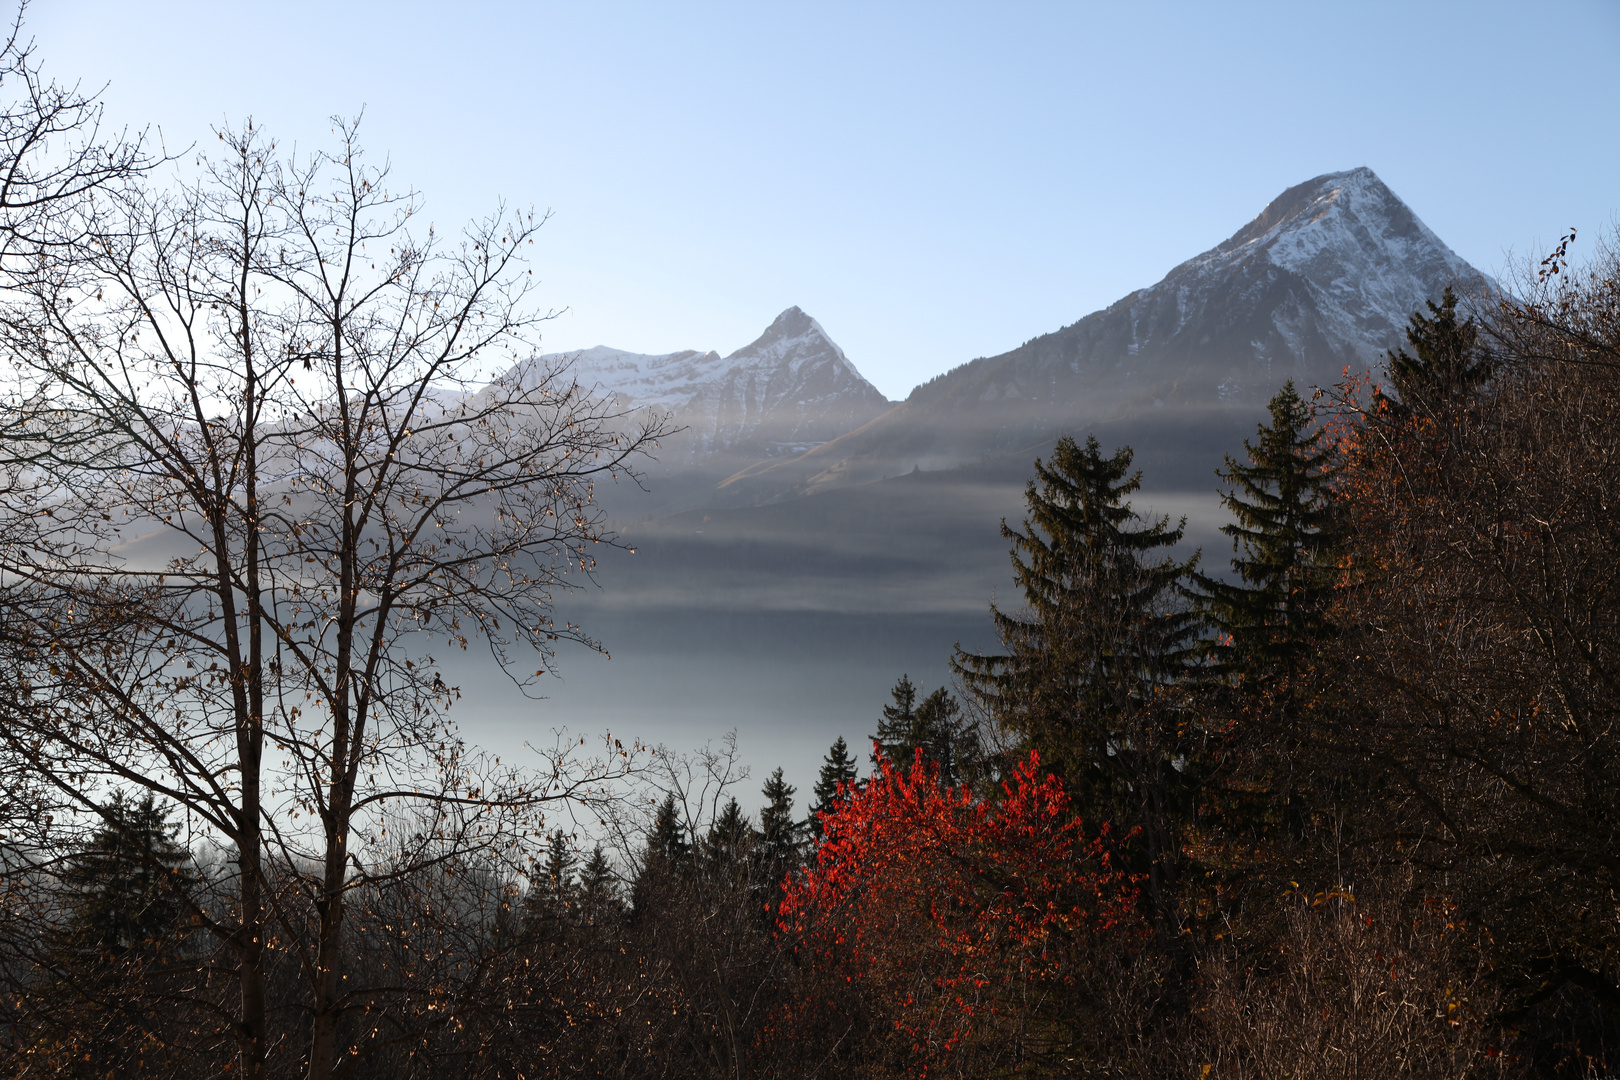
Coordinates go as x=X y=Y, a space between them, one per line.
x=793 y=339
x=1304 y=204
x=1350 y=240
x=789 y=388
x=1344 y=219
x=1323 y=279
x=792 y=323
x=1326 y=276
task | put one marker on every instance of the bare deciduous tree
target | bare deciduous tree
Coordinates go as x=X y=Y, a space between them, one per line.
x=1482 y=632
x=1351 y=988
x=53 y=153
x=285 y=487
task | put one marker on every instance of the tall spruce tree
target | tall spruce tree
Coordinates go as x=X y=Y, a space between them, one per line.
x=553 y=895
x=558 y=873
x=838 y=772
x=108 y=997
x=1091 y=673
x=946 y=740
x=1102 y=630
x=1448 y=365
x=666 y=862
x=781 y=840
x=1274 y=615
x=898 y=726
x=780 y=836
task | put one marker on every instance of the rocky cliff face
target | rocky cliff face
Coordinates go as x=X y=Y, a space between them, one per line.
x=1325 y=277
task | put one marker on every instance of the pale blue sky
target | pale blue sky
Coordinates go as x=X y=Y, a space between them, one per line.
x=934 y=182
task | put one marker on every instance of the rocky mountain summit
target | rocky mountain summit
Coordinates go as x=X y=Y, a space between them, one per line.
x=1324 y=278
x=788 y=391
x=791 y=387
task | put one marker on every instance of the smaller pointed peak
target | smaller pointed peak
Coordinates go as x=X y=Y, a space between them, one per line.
x=794 y=332
x=1359 y=174
x=791 y=323
x=1358 y=180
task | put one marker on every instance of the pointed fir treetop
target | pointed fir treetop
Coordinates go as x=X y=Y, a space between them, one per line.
x=1084 y=555
x=598 y=888
x=949 y=739
x=1449 y=364
x=1280 y=495
x=933 y=725
x=896 y=733
x=1078 y=498
x=553 y=895
x=779 y=833
x=596 y=877
x=668 y=838
x=729 y=835
x=837 y=768
x=1083 y=539
x=557 y=875
x=1283 y=535
x=838 y=772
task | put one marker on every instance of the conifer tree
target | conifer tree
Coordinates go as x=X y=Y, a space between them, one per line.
x=1449 y=364
x=729 y=836
x=559 y=868
x=1102 y=630
x=597 y=892
x=668 y=839
x=1275 y=613
x=126 y=884
x=556 y=885
x=780 y=840
x=933 y=726
x=779 y=834
x=837 y=771
x=947 y=740
x=897 y=730
x=1092 y=671
x=668 y=860
x=103 y=1000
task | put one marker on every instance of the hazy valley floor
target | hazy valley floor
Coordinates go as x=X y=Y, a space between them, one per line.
x=787 y=623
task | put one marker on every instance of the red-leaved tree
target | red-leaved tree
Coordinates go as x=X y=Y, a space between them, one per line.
x=968 y=924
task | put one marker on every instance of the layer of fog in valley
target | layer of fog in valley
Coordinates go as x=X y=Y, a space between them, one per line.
x=787 y=623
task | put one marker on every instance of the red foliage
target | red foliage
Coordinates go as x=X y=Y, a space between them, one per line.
x=944 y=907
